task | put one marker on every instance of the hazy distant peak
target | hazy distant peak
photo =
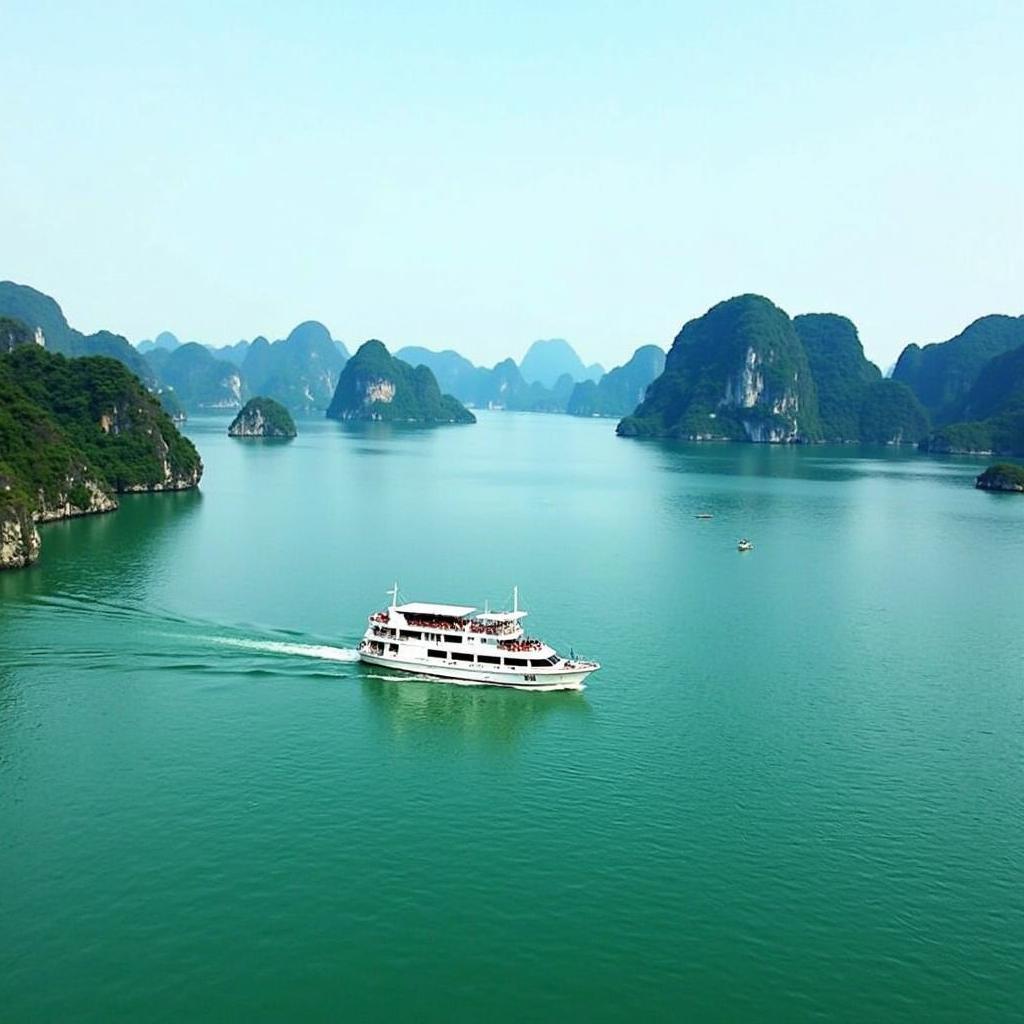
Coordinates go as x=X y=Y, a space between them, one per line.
x=548 y=358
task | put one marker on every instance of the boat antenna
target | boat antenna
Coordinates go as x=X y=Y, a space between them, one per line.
x=393 y=594
x=515 y=599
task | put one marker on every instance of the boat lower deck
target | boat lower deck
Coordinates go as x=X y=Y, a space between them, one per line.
x=551 y=679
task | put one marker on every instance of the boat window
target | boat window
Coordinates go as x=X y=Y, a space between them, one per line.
x=393 y=648
x=519 y=662
x=452 y=639
x=431 y=653
x=539 y=662
x=410 y=634
x=460 y=656
x=488 y=659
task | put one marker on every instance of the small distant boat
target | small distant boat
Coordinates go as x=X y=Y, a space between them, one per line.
x=703 y=515
x=744 y=545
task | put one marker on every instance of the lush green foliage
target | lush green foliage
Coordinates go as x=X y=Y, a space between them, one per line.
x=376 y=386
x=992 y=411
x=1003 y=476
x=942 y=374
x=741 y=344
x=998 y=387
x=276 y=419
x=621 y=389
x=64 y=422
x=890 y=414
x=35 y=309
x=841 y=372
x=1003 y=434
x=199 y=380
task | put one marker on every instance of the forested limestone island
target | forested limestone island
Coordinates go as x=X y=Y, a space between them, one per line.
x=44 y=318
x=1003 y=476
x=942 y=374
x=263 y=417
x=989 y=417
x=745 y=371
x=374 y=385
x=621 y=389
x=74 y=433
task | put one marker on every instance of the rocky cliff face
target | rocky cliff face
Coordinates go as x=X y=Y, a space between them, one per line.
x=737 y=373
x=19 y=538
x=75 y=433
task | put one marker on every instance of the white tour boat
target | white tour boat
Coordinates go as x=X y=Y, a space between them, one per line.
x=448 y=641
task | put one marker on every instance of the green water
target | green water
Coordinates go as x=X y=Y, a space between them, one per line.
x=794 y=791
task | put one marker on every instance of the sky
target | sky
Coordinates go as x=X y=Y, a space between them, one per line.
x=476 y=175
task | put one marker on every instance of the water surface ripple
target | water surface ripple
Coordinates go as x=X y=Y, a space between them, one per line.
x=794 y=791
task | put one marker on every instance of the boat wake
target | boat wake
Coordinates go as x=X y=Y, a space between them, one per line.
x=321 y=651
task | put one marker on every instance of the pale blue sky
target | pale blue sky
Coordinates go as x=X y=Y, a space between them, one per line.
x=481 y=175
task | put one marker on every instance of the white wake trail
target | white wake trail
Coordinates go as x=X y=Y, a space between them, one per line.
x=321 y=651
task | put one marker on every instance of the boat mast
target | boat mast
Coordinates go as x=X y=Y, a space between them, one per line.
x=515 y=599
x=393 y=594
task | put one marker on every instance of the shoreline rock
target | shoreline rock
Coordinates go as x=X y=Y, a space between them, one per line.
x=1003 y=476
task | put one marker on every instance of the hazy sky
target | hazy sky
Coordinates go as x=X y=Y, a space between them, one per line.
x=480 y=175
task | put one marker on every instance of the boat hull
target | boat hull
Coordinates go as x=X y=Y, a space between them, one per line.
x=564 y=679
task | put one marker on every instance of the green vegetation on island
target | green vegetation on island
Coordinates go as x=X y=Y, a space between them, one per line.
x=942 y=374
x=200 y=381
x=855 y=403
x=621 y=389
x=40 y=312
x=74 y=432
x=263 y=417
x=739 y=372
x=1003 y=476
x=374 y=385
x=990 y=417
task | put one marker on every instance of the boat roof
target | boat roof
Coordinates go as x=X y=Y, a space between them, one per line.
x=501 y=616
x=456 y=611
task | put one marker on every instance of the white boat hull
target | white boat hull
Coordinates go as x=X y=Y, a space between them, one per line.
x=558 y=678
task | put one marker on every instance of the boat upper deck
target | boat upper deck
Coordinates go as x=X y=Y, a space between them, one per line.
x=450 y=618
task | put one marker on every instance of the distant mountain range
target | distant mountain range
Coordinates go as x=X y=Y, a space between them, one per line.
x=547 y=361
x=745 y=370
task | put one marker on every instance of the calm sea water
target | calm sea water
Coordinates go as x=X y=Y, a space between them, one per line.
x=794 y=791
